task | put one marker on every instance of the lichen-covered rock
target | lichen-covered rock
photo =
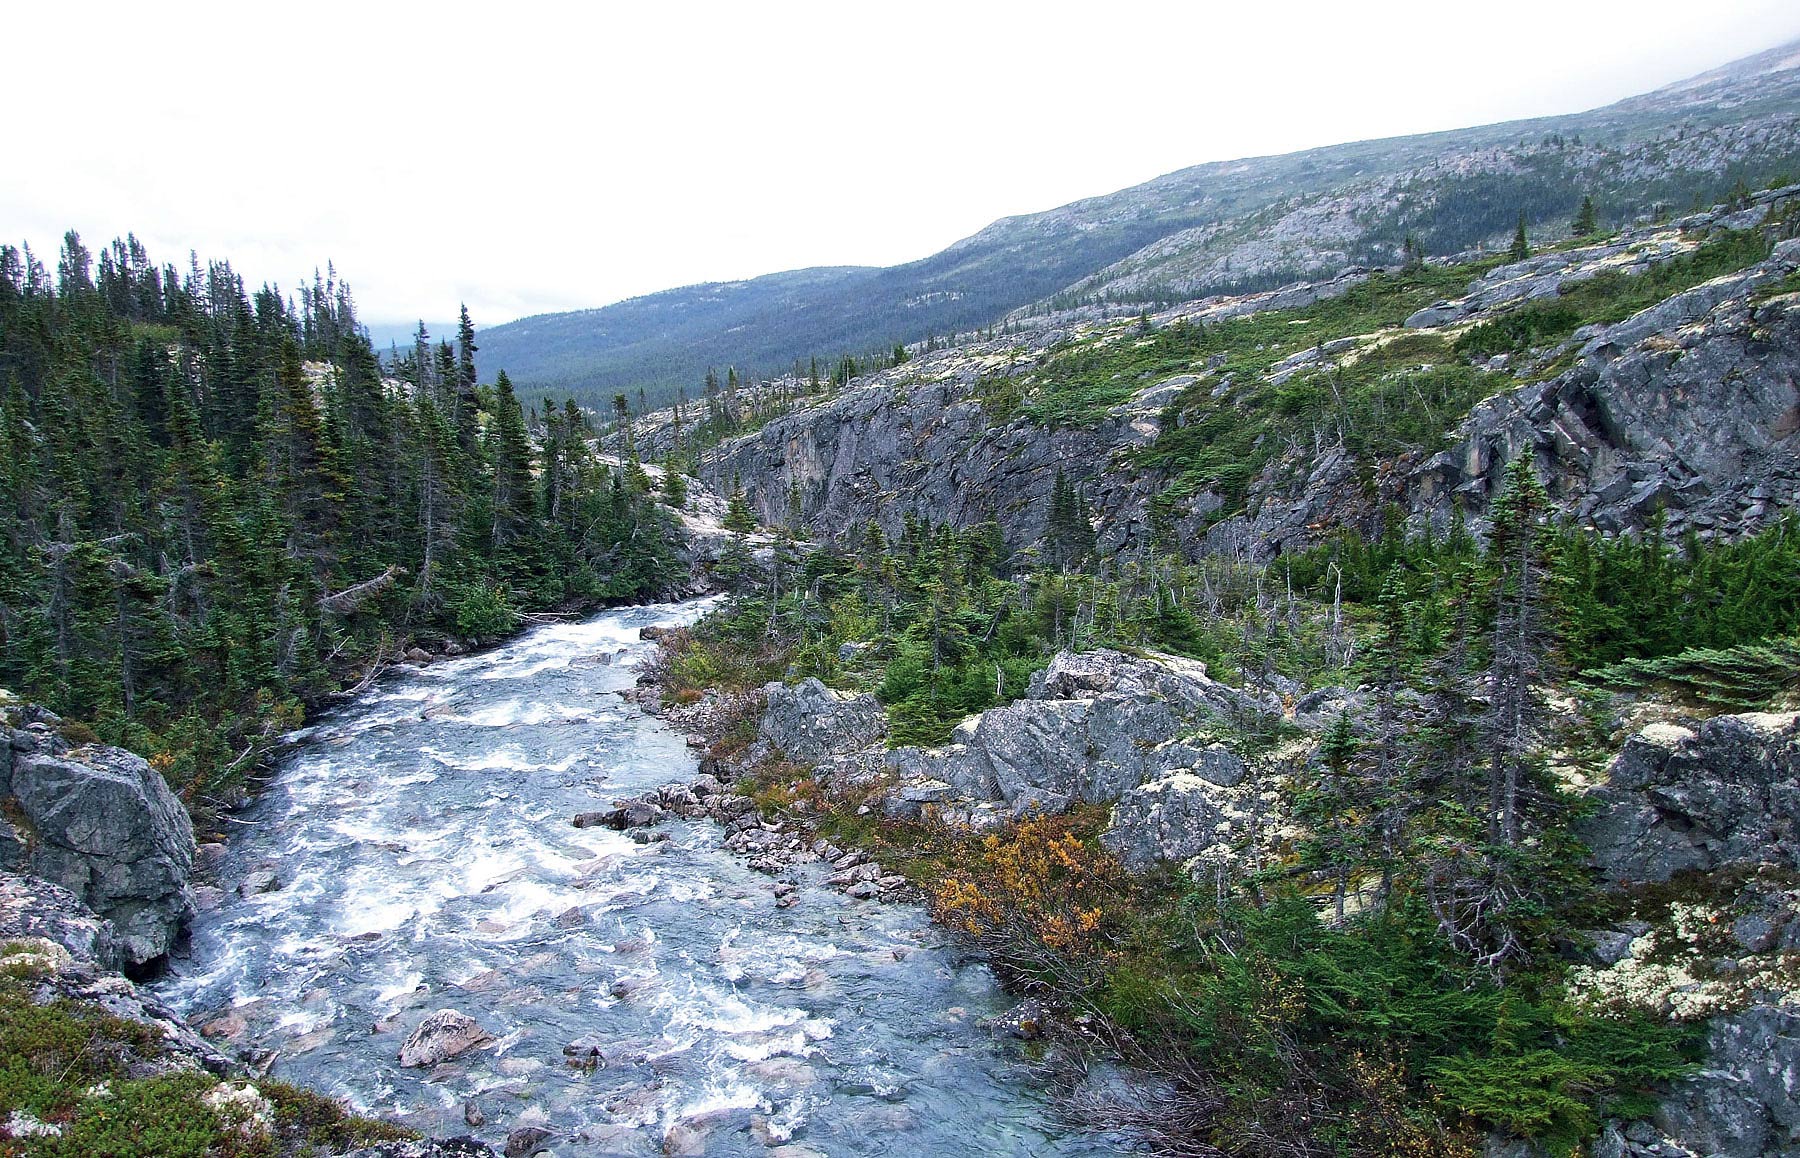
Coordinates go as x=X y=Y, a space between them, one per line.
x=1187 y=814
x=1723 y=794
x=102 y=823
x=32 y=908
x=71 y=953
x=241 y=1109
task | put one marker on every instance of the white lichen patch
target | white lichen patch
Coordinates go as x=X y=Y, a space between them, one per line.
x=1666 y=735
x=1770 y=723
x=25 y=1124
x=241 y=1109
x=1676 y=970
x=35 y=955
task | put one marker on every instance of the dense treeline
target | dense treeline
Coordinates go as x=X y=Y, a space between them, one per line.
x=216 y=504
x=1620 y=597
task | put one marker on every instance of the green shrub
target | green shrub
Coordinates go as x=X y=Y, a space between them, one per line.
x=484 y=611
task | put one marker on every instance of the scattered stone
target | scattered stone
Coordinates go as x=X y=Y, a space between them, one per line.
x=526 y=1141
x=208 y=856
x=440 y=1037
x=1024 y=1021
x=260 y=881
x=626 y=987
x=230 y=1026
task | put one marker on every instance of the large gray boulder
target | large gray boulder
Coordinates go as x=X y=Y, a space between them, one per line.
x=812 y=724
x=1723 y=794
x=102 y=823
x=440 y=1037
x=1094 y=726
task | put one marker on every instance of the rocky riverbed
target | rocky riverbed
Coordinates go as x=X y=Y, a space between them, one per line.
x=448 y=873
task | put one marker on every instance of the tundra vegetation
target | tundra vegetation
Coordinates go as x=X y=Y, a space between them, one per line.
x=77 y=1082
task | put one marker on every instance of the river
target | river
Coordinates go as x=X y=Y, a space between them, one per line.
x=422 y=842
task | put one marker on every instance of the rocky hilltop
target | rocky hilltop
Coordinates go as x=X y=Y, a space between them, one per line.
x=1640 y=381
x=1243 y=224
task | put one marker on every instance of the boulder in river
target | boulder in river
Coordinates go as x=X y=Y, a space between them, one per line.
x=622 y=815
x=440 y=1037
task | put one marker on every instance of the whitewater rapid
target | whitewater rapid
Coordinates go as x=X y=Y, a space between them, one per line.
x=425 y=859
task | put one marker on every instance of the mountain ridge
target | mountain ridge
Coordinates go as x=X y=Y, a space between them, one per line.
x=1202 y=215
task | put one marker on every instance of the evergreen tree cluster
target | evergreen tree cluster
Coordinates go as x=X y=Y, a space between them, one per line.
x=218 y=505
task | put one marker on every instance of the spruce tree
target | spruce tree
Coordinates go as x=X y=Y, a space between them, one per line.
x=738 y=516
x=1586 y=224
x=1521 y=247
x=465 y=353
x=515 y=506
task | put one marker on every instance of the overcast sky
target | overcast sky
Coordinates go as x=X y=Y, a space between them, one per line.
x=527 y=157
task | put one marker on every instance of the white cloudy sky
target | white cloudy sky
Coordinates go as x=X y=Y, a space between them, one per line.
x=526 y=157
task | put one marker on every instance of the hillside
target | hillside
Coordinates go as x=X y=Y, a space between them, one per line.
x=1237 y=225
x=1417 y=645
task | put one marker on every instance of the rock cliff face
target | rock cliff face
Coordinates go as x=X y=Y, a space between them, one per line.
x=1689 y=407
x=1722 y=795
x=102 y=823
x=1713 y=812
